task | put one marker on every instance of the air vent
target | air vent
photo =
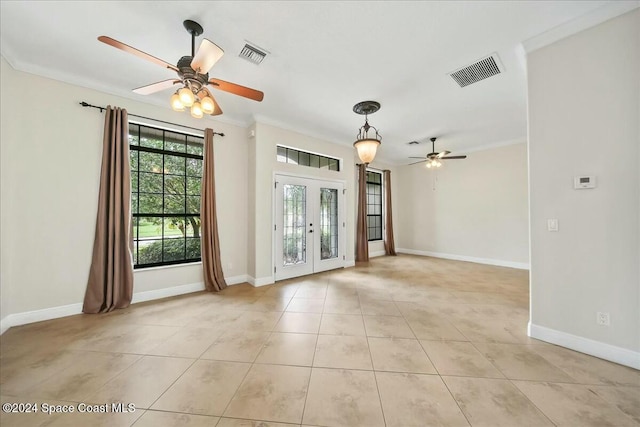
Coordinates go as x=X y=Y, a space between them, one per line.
x=480 y=70
x=252 y=54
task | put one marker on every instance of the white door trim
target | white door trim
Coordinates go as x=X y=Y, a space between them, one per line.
x=341 y=216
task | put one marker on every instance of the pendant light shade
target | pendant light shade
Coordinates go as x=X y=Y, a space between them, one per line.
x=366 y=144
x=367 y=149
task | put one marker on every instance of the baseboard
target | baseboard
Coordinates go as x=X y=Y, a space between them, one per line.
x=167 y=292
x=39 y=315
x=489 y=261
x=236 y=280
x=348 y=264
x=260 y=281
x=377 y=254
x=588 y=346
x=27 y=317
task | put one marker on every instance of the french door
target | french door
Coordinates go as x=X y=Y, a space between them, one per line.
x=309 y=226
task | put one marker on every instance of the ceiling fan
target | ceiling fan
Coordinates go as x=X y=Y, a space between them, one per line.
x=433 y=158
x=193 y=75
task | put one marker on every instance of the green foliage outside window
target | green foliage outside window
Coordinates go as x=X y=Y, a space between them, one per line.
x=166 y=175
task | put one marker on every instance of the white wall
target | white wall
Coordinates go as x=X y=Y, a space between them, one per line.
x=50 y=154
x=584 y=114
x=473 y=209
x=266 y=165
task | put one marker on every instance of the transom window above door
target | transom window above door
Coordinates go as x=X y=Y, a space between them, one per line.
x=305 y=158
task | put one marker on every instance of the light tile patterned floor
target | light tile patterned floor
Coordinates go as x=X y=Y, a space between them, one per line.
x=403 y=341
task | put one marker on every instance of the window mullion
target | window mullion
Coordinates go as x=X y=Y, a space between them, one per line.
x=184 y=186
x=163 y=246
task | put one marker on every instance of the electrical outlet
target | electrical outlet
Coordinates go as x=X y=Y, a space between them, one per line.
x=602 y=318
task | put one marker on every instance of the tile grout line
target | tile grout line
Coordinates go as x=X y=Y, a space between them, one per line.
x=455 y=400
x=509 y=379
x=375 y=380
x=313 y=359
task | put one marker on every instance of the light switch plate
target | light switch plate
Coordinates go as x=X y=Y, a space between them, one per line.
x=552 y=225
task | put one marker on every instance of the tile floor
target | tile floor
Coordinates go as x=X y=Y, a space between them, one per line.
x=404 y=341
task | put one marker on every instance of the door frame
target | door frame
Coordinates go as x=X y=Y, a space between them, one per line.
x=343 y=213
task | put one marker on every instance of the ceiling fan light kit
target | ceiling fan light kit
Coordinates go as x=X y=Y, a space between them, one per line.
x=193 y=74
x=366 y=145
x=433 y=159
x=433 y=163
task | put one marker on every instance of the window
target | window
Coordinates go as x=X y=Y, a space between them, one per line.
x=374 y=205
x=303 y=158
x=166 y=174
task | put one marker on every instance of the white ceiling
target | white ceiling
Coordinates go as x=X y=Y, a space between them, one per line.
x=324 y=58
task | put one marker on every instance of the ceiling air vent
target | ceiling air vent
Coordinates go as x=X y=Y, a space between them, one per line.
x=479 y=70
x=252 y=54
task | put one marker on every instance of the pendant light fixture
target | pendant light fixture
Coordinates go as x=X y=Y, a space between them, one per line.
x=366 y=144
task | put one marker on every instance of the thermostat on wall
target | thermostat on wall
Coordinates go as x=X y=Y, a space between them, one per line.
x=582 y=182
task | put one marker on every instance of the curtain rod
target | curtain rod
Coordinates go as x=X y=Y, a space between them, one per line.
x=86 y=104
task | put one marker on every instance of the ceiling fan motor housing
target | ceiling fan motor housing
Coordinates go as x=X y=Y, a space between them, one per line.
x=186 y=73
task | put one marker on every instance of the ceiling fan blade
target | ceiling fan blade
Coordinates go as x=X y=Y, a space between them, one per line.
x=207 y=55
x=453 y=157
x=138 y=53
x=247 y=92
x=415 y=163
x=217 y=110
x=418 y=158
x=156 y=87
x=444 y=153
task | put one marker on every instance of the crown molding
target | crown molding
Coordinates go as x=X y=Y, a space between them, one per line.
x=588 y=20
x=261 y=119
x=50 y=74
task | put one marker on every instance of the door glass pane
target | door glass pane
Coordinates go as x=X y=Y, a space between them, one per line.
x=328 y=223
x=294 y=239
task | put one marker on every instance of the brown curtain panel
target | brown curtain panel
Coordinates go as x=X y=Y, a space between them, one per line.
x=389 y=245
x=213 y=276
x=110 y=283
x=362 y=242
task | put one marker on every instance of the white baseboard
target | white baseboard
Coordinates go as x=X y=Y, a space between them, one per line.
x=260 y=281
x=376 y=254
x=167 y=292
x=348 y=264
x=39 y=315
x=26 y=317
x=236 y=280
x=588 y=346
x=489 y=261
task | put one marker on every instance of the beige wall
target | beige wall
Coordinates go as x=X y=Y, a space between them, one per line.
x=266 y=166
x=472 y=209
x=584 y=114
x=50 y=154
